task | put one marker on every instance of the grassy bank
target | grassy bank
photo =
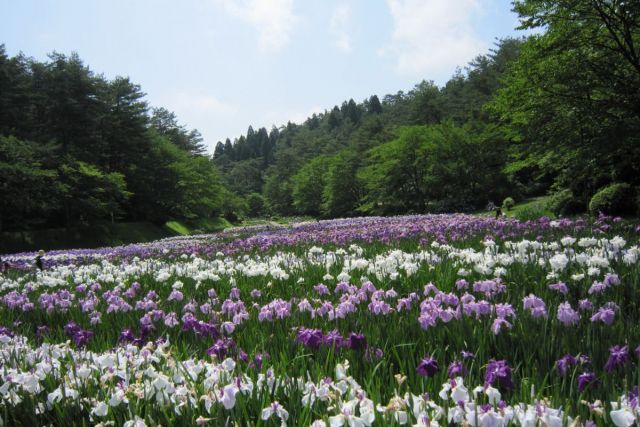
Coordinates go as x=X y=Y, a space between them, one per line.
x=103 y=234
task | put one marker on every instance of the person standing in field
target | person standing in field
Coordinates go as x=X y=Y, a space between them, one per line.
x=38 y=262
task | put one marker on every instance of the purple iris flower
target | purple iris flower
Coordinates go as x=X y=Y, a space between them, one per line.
x=357 y=341
x=564 y=363
x=81 y=337
x=618 y=357
x=586 y=379
x=221 y=348
x=585 y=305
x=309 y=337
x=333 y=339
x=560 y=287
x=456 y=368
x=500 y=372
x=567 y=315
x=427 y=367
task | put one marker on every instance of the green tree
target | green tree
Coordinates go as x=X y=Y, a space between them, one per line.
x=308 y=186
x=572 y=100
x=25 y=184
x=166 y=123
x=255 y=205
x=374 y=106
x=438 y=168
x=88 y=193
x=343 y=190
x=245 y=177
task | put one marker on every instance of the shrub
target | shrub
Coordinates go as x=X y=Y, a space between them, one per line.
x=614 y=199
x=508 y=203
x=234 y=207
x=565 y=203
x=255 y=205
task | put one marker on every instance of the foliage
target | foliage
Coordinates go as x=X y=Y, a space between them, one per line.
x=76 y=148
x=88 y=194
x=343 y=188
x=508 y=203
x=531 y=212
x=571 y=98
x=255 y=205
x=234 y=208
x=308 y=186
x=614 y=199
x=435 y=168
x=564 y=203
x=25 y=183
x=288 y=160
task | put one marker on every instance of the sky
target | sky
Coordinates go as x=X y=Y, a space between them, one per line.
x=222 y=65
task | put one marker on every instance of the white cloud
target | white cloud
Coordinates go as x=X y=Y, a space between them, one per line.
x=274 y=20
x=433 y=36
x=338 y=25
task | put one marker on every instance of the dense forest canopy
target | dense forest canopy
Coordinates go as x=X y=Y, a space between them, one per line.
x=555 y=113
x=432 y=149
x=76 y=147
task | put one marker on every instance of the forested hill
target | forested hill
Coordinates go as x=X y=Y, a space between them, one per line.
x=76 y=148
x=430 y=149
x=557 y=113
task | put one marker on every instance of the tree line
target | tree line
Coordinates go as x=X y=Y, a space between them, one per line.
x=431 y=149
x=76 y=147
x=556 y=113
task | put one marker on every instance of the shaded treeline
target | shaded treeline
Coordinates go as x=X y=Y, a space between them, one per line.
x=76 y=147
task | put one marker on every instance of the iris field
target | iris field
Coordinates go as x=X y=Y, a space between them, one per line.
x=415 y=320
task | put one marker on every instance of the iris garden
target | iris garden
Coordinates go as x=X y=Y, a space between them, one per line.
x=414 y=320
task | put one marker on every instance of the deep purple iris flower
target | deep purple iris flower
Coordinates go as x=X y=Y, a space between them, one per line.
x=618 y=356
x=221 y=348
x=456 y=369
x=427 y=367
x=311 y=338
x=498 y=371
x=81 y=338
x=564 y=363
x=357 y=341
x=333 y=339
x=586 y=379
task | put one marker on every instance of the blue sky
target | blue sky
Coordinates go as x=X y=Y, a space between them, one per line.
x=222 y=65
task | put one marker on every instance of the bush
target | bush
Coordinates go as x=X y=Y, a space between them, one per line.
x=614 y=199
x=508 y=203
x=234 y=207
x=255 y=205
x=565 y=203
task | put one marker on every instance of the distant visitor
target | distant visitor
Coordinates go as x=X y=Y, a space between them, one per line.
x=39 y=260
